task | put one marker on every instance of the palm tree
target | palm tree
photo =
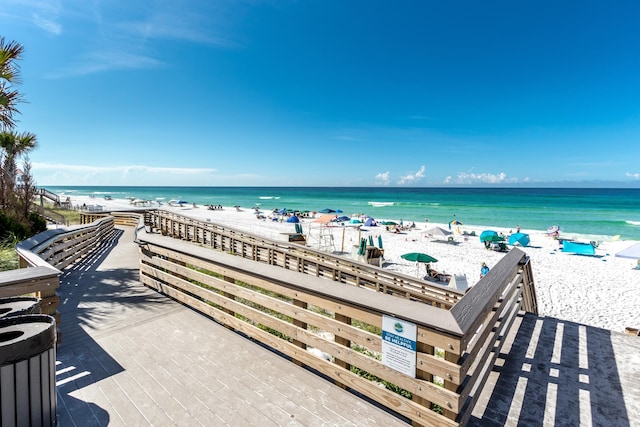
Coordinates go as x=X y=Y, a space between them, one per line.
x=10 y=52
x=12 y=146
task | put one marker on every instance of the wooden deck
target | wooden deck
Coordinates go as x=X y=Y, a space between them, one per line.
x=130 y=356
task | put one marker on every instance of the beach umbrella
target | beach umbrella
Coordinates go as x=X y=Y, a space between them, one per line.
x=363 y=246
x=389 y=223
x=293 y=219
x=490 y=236
x=327 y=210
x=437 y=232
x=632 y=252
x=370 y=240
x=418 y=257
x=342 y=218
x=355 y=221
x=380 y=241
x=521 y=239
x=553 y=229
x=454 y=222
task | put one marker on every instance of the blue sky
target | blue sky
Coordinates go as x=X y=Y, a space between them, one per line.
x=330 y=93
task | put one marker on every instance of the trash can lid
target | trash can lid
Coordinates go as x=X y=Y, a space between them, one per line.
x=22 y=337
x=13 y=306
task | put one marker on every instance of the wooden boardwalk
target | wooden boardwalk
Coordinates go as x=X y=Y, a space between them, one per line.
x=130 y=356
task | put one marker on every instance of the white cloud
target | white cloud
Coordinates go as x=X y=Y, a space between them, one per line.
x=107 y=61
x=413 y=178
x=633 y=175
x=484 y=178
x=64 y=174
x=383 y=177
x=47 y=24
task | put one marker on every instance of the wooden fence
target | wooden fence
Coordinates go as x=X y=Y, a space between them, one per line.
x=305 y=303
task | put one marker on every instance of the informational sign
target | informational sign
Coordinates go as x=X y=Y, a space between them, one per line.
x=399 y=345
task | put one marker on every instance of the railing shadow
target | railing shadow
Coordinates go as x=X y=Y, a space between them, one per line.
x=556 y=373
x=95 y=301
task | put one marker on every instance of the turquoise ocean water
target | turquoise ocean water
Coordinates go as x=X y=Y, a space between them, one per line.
x=583 y=211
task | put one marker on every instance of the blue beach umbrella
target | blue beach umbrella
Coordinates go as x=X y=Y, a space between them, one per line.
x=521 y=239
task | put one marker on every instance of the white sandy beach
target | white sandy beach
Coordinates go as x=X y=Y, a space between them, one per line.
x=601 y=291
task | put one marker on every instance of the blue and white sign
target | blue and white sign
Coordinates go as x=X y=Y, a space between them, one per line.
x=399 y=345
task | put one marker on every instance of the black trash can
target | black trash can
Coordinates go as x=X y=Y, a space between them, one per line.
x=18 y=306
x=28 y=370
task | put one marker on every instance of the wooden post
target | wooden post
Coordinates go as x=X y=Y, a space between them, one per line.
x=301 y=325
x=450 y=357
x=342 y=341
x=424 y=375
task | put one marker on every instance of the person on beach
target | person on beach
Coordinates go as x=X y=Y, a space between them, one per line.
x=484 y=270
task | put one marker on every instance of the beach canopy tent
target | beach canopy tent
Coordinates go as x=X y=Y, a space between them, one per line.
x=342 y=218
x=578 y=248
x=490 y=236
x=437 y=232
x=355 y=221
x=328 y=210
x=325 y=219
x=521 y=239
x=293 y=218
x=370 y=222
x=632 y=252
x=389 y=223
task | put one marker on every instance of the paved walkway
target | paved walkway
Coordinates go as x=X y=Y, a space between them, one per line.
x=130 y=356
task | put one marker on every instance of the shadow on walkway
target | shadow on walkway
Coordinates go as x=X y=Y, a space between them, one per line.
x=558 y=373
x=96 y=299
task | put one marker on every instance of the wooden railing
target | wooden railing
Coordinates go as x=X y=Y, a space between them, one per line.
x=42 y=258
x=294 y=299
x=48 y=214
x=302 y=259
x=129 y=219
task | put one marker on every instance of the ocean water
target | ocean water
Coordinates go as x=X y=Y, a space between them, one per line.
x=593 y=212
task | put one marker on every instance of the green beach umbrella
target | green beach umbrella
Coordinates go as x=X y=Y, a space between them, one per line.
x=370 y=240
x=418 y=257
x=380 y=241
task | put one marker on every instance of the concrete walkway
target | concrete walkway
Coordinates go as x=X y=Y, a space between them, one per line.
x=132 y=357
